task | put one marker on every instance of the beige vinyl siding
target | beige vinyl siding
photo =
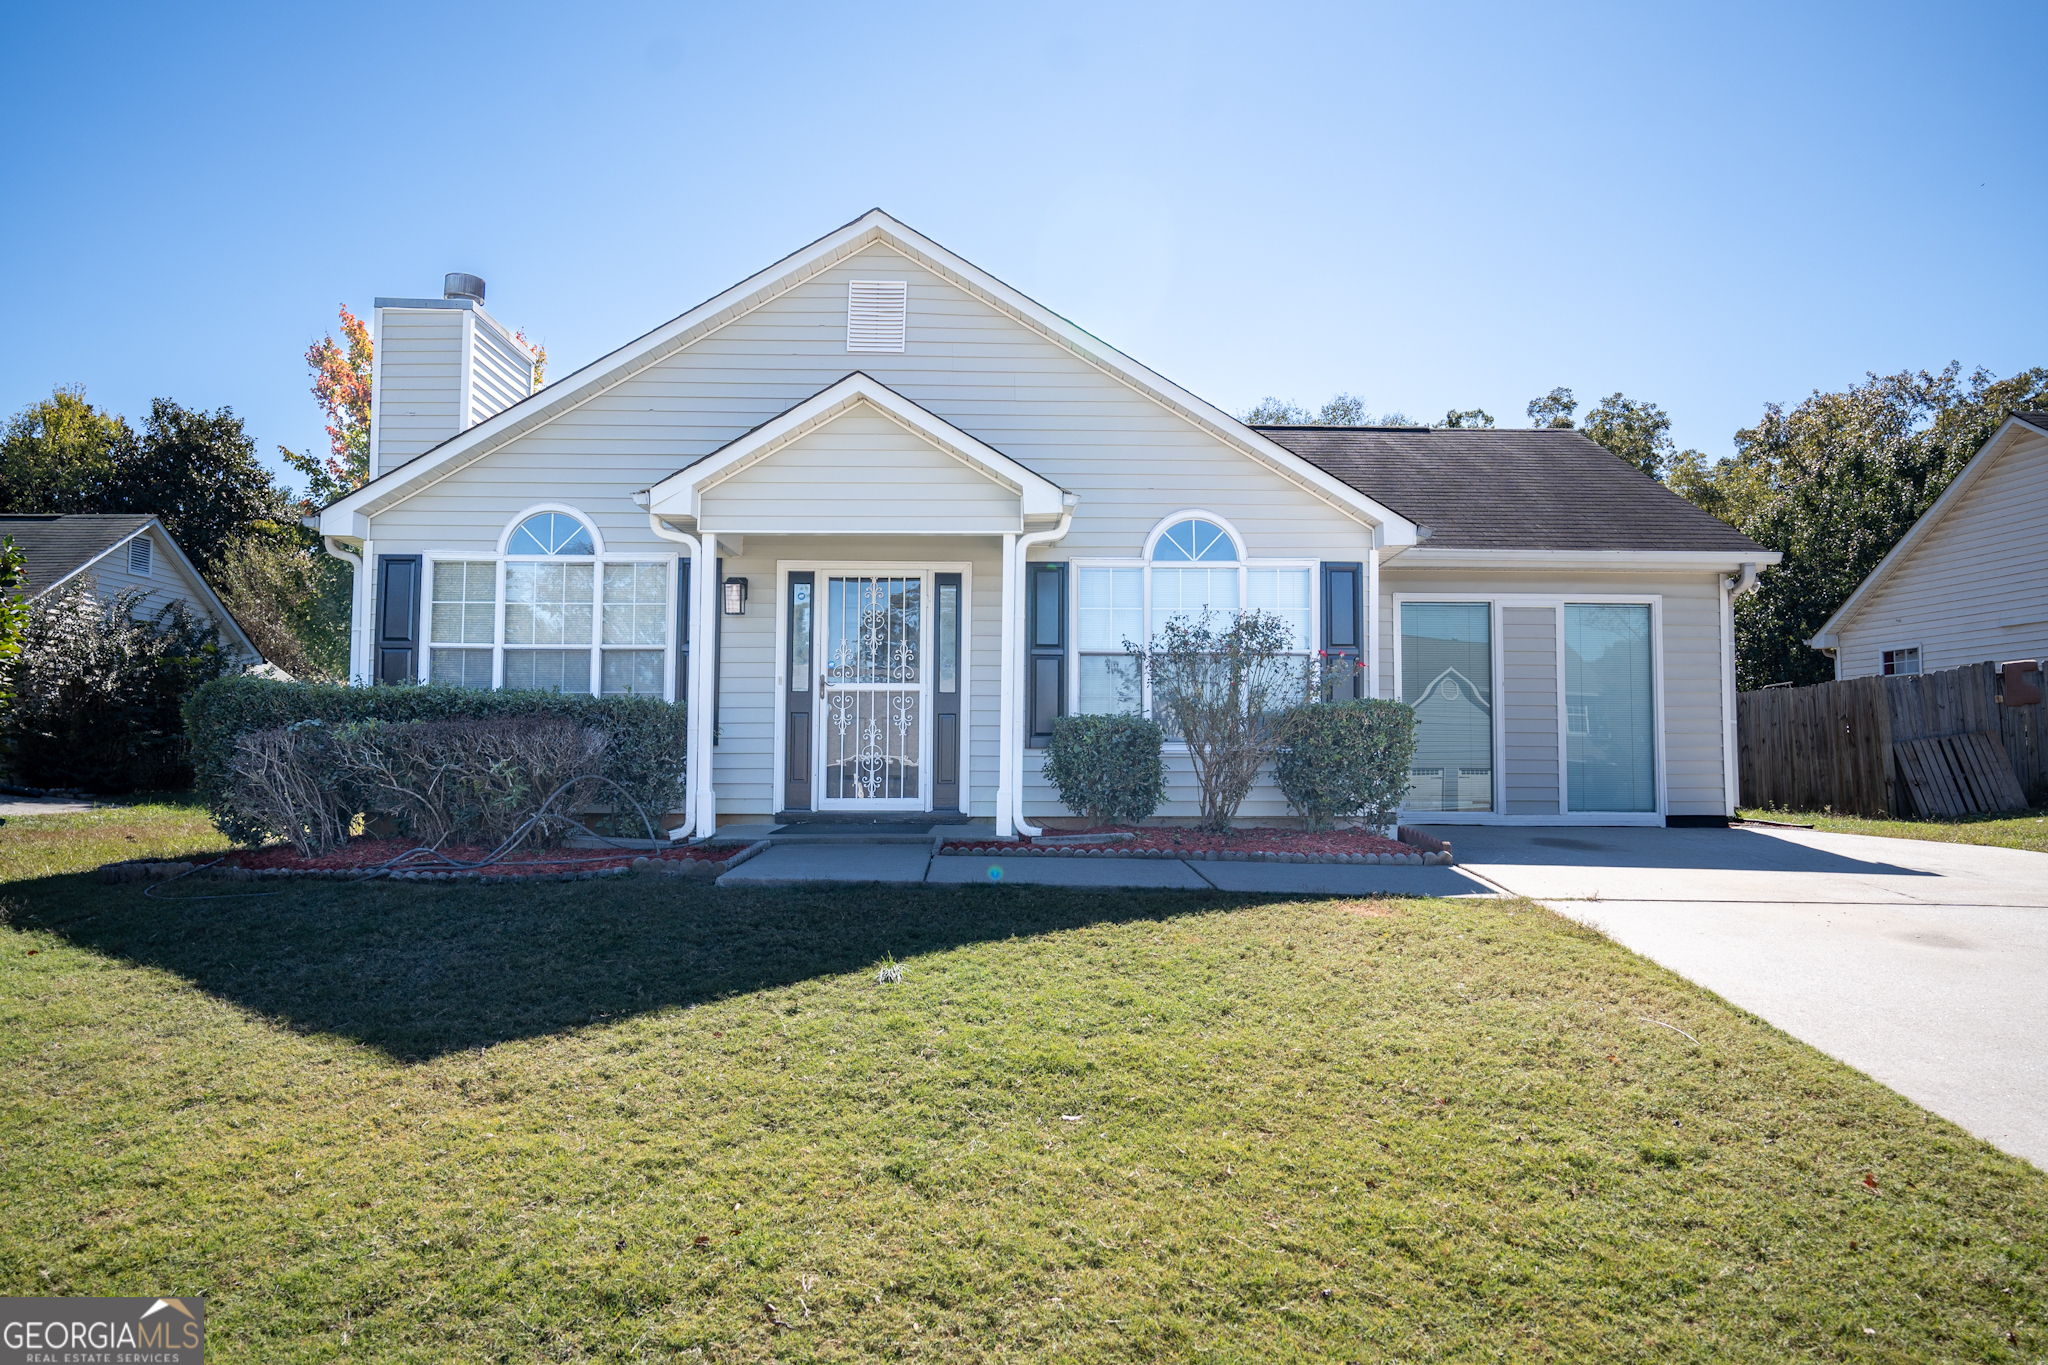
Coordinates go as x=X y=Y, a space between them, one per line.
x=418 y=381
x=859 y=472
x=1984 y=565
x=1131 y=461
x=1528 y=695
x=1692 y=693
x=500 y=374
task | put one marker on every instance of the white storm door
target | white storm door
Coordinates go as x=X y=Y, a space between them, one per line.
x=874 y=677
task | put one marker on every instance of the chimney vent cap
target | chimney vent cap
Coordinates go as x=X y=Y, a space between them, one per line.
x=460 y=286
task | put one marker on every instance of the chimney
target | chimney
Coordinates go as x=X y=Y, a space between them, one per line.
x=441 y=367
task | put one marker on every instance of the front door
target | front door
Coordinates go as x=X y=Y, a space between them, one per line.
x=873 y=723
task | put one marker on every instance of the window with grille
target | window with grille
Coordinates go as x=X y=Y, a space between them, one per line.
x=1902 y=660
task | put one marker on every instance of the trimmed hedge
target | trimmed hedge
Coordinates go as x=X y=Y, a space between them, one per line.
x=644 y=750
x=1108 y=768
x=1347 y=758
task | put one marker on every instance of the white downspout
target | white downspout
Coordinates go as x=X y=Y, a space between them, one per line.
x=1010 y=812
x=1731 y=588
x=700 y=799
x=358 y=623
x=1372 y=611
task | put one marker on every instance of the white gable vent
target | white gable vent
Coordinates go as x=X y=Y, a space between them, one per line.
x=138 y=556
x=874 y=315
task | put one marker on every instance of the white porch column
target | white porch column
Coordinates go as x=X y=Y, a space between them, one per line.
x=1009 y=741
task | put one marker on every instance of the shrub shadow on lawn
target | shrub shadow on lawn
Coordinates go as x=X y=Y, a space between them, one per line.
x=418 y=971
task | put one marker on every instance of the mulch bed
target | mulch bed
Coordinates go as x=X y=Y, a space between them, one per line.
x=1256 y=844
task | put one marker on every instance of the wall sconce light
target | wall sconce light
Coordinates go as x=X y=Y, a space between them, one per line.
x=735 y=597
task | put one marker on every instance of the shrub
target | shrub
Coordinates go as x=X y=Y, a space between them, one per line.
x=1107 y=767
x=469 y=780
x=1347 y=758
x=1230 y=691
x=97 y=688
x=643 y=736
x=439 y=781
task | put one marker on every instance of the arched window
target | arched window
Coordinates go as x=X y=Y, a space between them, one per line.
x=554 y=612
x=552 y=534
x=1193 y=564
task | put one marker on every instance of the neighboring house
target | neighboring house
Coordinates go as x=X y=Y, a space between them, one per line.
x=1968 y=584
x=114 y=553
x=881 y=519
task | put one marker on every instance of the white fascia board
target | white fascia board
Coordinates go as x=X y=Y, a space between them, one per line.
x=1604 y=561
x=573 y=390
x=681 y=494
x=1979 y=465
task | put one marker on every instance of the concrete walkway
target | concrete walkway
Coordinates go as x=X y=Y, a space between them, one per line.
x=814 y=864
x=1924 y=965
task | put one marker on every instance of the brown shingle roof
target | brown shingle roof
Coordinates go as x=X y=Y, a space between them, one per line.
x=1511 y=489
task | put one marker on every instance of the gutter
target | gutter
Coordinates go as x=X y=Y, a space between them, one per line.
x=1011 y=792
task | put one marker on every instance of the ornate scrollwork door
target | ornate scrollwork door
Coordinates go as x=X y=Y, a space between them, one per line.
x=872 y=693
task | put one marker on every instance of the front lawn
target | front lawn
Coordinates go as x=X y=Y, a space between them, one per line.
x=2022 y=829
x=649 y=1120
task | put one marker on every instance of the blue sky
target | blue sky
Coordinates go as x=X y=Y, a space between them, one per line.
x=1430 y=206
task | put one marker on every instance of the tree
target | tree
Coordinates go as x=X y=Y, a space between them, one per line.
x=341 y=384
x=1344 y=410
x=61 y=455
x=1468 y=419
x=1635 y=433
x=1833 y=484
x=291 y=598
x=13 y=610
x=196 y=471
x=1553 y=409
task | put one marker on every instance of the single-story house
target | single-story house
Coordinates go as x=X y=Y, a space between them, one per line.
x=1968 y=584
x=114 y=553
x=880 y=518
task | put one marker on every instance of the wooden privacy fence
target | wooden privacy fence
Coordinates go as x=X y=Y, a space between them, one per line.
x=1919 y=744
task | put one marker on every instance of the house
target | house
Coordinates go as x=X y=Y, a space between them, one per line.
x=1968 y=584
x=114 y=553
x=880 y=519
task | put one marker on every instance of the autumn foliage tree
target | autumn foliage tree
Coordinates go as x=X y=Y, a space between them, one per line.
x=341 y=385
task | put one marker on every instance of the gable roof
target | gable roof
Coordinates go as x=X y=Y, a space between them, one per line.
x=682 y=493
x=1516 y=490
x=60 y=546
x=57 y=546
x=2021 y=425
x=348 y=516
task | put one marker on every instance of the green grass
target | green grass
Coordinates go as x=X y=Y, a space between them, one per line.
x=637 y=1120
x=2028 y=830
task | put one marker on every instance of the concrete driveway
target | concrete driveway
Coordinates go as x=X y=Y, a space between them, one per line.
x=1923 y=965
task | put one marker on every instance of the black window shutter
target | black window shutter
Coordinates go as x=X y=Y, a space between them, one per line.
x=398 y=618
x=1344 y=622
x=682 y=631
x=1045 y=636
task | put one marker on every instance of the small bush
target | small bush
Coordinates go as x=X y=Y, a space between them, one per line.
x=97 y=688
x=470 y=781
x=1108 y=768
x=1346 y=759
x=643 y=736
